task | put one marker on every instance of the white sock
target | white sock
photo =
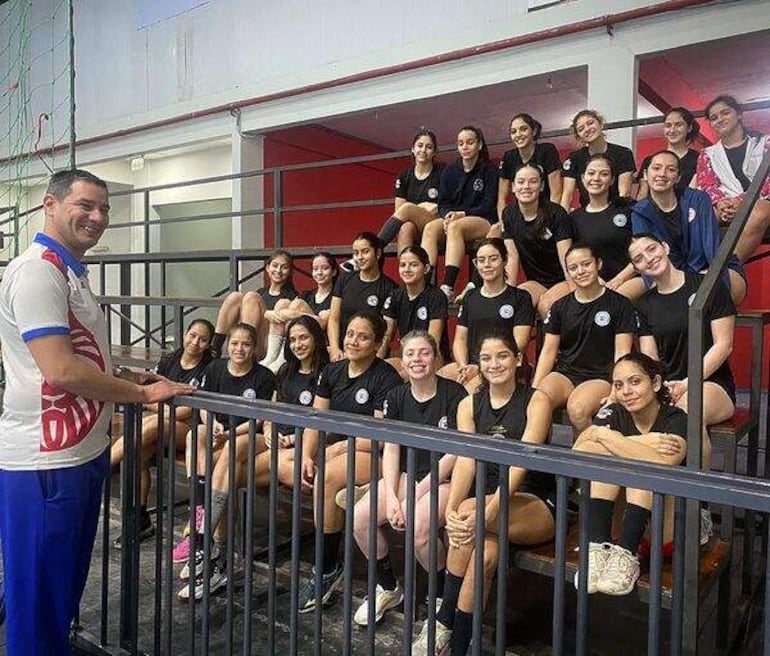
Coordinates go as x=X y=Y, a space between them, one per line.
x=274 y=348
x=276 y=364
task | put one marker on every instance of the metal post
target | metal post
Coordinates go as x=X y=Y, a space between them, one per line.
x=125 y=310
x=278 y=208
x=71 y=30
x=146 y=230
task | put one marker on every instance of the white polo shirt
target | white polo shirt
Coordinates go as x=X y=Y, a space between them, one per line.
x=45 y=291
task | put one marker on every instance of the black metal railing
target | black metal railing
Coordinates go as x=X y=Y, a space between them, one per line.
x=258 y=610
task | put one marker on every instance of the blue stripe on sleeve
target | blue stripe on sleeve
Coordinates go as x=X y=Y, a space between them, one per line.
x=42 y=332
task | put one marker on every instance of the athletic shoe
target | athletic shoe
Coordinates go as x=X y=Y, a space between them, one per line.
x=706 y=526
x=199 y=558
x=329 y=584
x=181 y=552
x=460 y=298
x=448 y=292
x=146 y=531
x=383 y=600
x=598 y=552
x=621 y=572
x=441 y=647
x=341 y=498
x=349 y=266
x=217 y=580
x=199 y=515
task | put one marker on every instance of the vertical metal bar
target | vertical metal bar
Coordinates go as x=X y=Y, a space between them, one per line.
x=230 y=547
x=296 y=509
x=146 y=230
x=502 y=563
x=16 y=228
x=581 y=637
x=347 y=613
x=233 y=261
x=677 y=595
x=478 y=563
x=766 y=648
x=193 y=491
x=371 y=571
x=178 y=325
x=320 y=502
x=409 y=573
x=248 y=546
x=102 y=281
x=163 y=314
x=559 y=583
x=106 y=503
x=160 y=469
x=128 y=533
x=656 y=574
x=170 y=500
x=272 y=529
x=433 y=553
x=278 y=208
x=72 y=88
x=208 y=531
x=125 y=310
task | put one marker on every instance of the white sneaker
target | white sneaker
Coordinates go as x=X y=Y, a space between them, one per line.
x=217 y=580
x=706 y=526
x=598 y=552
x=443 y=636
x=448 y=292
x=383 y=600
x=621 y=572
x=184 y=575
x=460 y=298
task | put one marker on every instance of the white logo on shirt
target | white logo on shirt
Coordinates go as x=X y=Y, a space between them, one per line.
x=443 y=422
x=547 y=234
x=691 y=299
x=460 y=312
x=385 y=407
x=422 y=313
x=306 y=397
x=372 y=301
x=547 y=317
x=249 y=394
x=432 y=193
x=478 y=184
x=604 y=412
x=385 y=305
x=398 y=183
x=620 y=220
x=506 y=311
x=195 y=383
x=567 y=164
x=691 y=215
x=602 y=318
x=362 y=396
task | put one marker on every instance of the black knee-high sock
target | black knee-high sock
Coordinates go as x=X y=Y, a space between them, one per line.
x=385 y=576
x=600 y=524
x=331 y=551
x=462 y=632
x=440 y=581
x=450 y=274
x=446 y=614
x=634 y=523
x=389 y=230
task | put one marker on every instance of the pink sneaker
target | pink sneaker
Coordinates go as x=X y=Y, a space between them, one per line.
x=181 y=552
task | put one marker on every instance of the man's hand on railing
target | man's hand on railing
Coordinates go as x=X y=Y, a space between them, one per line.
x=162 y=389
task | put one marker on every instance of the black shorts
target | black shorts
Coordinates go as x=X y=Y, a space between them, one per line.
x=546 y=495
x=576 y=378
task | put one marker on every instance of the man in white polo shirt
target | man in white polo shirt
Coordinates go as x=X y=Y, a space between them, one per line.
x=54 y=452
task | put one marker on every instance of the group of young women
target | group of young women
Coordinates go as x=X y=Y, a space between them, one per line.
x=619 y=371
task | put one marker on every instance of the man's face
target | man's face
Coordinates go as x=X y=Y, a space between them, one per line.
x=79 y=219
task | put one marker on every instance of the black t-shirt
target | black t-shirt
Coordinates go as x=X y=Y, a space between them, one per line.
x=298 y=389
x=258 y=383
x=360 y=296
x=413 y=190
x=545 y=156
x=361 y=395
x=507 y=422
x=439 y=411
x=575 y=165
x=736 y=157
x=664 y=317
x=287 y=291
x=587 y=332
x=670 y=419
x=316 y=306
x=417 y=313
x=687 y=167
x=170 y=366
x=608 y=232
x=481 y=314
x=537 y=252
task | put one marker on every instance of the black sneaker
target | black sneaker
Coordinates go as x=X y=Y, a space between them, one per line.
x=349 y=266
x=146 y=531
x=217 y=580
x=329 y=584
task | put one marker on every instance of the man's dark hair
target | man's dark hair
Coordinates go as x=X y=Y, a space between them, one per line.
x=60 y=183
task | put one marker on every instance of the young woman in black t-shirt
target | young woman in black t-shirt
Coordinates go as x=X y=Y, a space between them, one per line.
x=417 y=305
x=466 y=205
x=664 y=329
x=640 y=425
x=588 y=129
x=506 y=409
x=185 y=365
x=429 y=400
x=680 y=129
x=358 y=384
x=525 y=132
x=250 y=308
x=537 y=234
x=605 y=225
x=314 y=302
x=366 y=290
x=585 y=332
x=495 y=305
